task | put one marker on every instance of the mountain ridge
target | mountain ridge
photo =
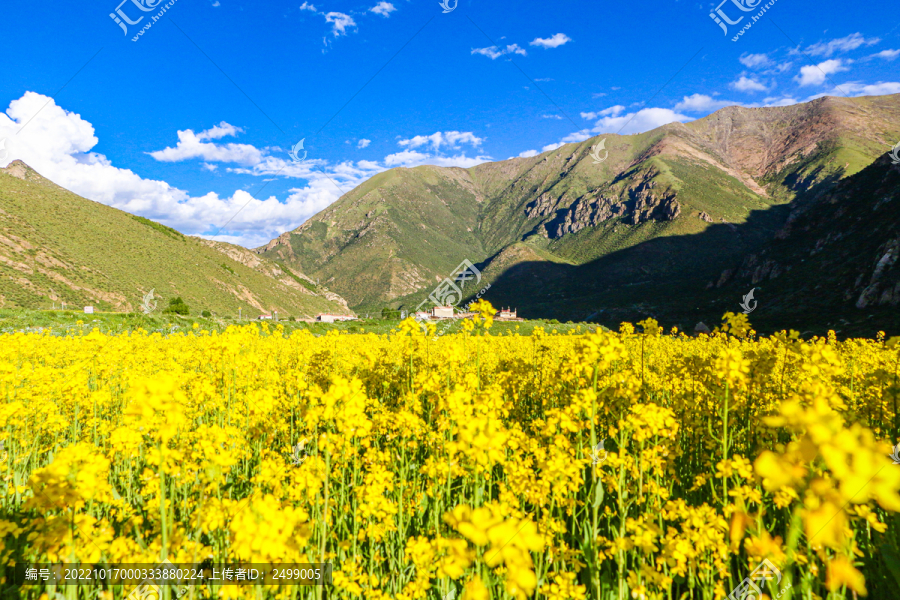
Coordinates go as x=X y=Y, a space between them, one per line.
x=394 y=237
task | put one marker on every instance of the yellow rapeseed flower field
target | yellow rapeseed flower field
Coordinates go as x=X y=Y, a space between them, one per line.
x=598 y=464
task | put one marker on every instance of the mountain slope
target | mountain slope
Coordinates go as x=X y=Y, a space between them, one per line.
x=836 y=258
x=390 y=240
x=58 y=247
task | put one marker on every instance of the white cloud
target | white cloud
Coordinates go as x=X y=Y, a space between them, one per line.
x=363 y=143
x=702 y=103
x=554 y=41
x=578 y=136
x=446 y=138
x=383 y=8
x=886 y=54
x=557 y=117
x=643 y=120
x=753 y=61
x=748 y=84
x=612 y=110
x=411 y=158
x=339 y=23
x=776 y=101
x=844 y=44
x=58 y=145
x=219 y=131
x=882 y=88
x=493 y=52
x=817 y=74
x=528 y=154
x=613 y=121
x=191 y=145
x=308 y=6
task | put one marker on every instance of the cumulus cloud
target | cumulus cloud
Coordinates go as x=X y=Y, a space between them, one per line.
x=308 y=6
x=339 y=23
x=363 y=143
x=412 y=158
x=452 y=139
x=495 y=52
x=383 y=8
x=557 y=117
x=702 y=103
x=754 y=61
x=748 y=84
x=528 y=154
x=817 y=74
x=615 y=120
x=643 y=120
x=192 y=145
x=554 y=41
x=58 y=144
x=844 y=44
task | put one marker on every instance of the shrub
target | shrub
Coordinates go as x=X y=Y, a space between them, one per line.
x=177 y=306
x=206 y=314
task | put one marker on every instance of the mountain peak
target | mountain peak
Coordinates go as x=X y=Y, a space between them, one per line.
x=20 y=170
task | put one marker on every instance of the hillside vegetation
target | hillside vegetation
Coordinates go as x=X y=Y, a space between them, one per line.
x=56 y=247
x=681 y=203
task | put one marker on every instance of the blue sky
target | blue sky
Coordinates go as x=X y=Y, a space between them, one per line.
x=192 y=123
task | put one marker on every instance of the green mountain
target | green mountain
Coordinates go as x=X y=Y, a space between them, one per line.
x=57 y=247
x=576 y=232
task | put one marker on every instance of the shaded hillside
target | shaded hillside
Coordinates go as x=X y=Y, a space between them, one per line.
x=57 y=247
x=390 y=240
x=837 y=257
x=833 y=265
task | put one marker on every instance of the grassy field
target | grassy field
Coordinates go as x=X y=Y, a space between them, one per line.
x=21 y=320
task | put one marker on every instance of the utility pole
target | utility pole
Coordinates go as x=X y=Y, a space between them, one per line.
x=239 y=314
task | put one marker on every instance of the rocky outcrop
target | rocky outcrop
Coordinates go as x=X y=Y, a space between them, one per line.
x=587 y=213
x=541 y=207
x=757 y=269
x=637 y=204
x=704 y=216
x=652 y=208
x=877 y=291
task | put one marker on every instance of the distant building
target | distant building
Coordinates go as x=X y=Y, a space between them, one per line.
x=264 y=318
x=325 y=318
x=421 y=315
x=88 y=310
x=507 y=314
x=443 y=312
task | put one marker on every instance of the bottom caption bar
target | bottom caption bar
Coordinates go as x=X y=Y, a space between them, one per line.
x=167 y=573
